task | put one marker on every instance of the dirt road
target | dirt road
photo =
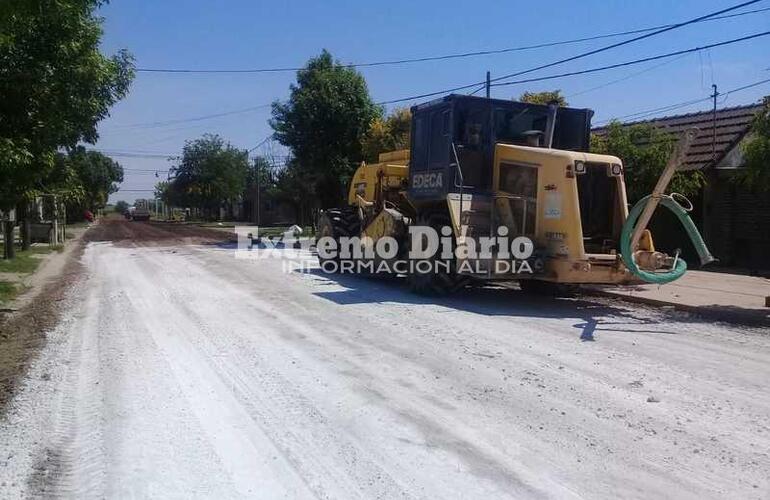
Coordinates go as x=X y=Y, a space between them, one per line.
x=180 y=371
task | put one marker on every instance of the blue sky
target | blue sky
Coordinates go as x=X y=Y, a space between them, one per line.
x=247 y=34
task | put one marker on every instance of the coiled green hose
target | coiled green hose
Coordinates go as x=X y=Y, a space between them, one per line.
x=681 y=266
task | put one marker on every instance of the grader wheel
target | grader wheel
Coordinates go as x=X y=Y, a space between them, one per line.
x=336 y=223
x=437 y=282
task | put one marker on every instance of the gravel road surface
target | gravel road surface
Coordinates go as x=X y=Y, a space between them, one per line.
x=180 y=371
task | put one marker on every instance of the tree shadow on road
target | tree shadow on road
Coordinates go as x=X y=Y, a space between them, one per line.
x=493 y=300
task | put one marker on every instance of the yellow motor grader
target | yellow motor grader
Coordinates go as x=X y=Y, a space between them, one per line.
x=500 y=181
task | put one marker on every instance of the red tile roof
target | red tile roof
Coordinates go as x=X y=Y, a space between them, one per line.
x=732 y=124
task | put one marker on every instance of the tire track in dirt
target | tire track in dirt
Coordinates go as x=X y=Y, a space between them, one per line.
x=23 y=333
x=71 y=464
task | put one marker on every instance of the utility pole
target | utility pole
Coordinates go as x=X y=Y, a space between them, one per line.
x=714 y=124
x=256 y=191
x=489 y=83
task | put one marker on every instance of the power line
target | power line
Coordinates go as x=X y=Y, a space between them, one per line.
x=132 y=154
x=138 y=151
x=671 y=107
x=659 y=29
x=260 y=143
x=431 y=94
x=575 y=57
x=627 y=77
x=148 y=170
x=662 y=109
x=483 y=86
x=160 y=155
x=592 y=70
x=635 y=61
x=148 y=125
x=625 y=42
x=656 y=30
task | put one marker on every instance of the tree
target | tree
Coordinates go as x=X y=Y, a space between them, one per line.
x=82 y=180
x=294 y=185
x=644 y=151
x=98 y=174
x=327 y=115
x=121 y=206
x=544 y=97
x=389 y=134
x=164 y=192
x=756 y=150
x=55 y=86
x=211 y=173
x=64 y=182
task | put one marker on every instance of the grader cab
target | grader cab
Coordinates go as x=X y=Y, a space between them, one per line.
x=513 y=190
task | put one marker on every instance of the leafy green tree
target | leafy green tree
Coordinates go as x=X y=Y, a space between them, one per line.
x=324 y=121
x=210 y=174
x=294 y=186
x=55 y=86
x=64 y=182
x=82 y=179
x=121 y=206
x=98 y=174
x=644 y=151
x=388 y=134
x=544 y=97
x=164 y=192
x=756 y=150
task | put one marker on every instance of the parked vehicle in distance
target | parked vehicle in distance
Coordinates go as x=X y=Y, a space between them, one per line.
x=138 y=214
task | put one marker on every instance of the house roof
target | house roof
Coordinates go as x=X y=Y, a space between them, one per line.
x=732 y=124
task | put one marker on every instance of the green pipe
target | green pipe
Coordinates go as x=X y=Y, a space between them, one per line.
x=681 y=266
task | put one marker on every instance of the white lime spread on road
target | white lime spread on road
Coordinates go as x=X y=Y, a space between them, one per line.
x=184 y=372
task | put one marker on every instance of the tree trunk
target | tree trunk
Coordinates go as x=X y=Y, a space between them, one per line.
x=25 y=226
x=10 y=251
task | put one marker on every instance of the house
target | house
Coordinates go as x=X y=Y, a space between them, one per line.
x=734 y=222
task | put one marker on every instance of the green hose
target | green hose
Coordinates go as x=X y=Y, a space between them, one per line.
x=681 y=266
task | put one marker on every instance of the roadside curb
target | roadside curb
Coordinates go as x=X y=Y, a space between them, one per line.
x=751 y=317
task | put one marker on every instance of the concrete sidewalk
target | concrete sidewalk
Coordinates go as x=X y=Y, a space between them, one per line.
x=717 y=295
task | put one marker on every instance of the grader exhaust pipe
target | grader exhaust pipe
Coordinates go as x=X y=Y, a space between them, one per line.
x=550 y=124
